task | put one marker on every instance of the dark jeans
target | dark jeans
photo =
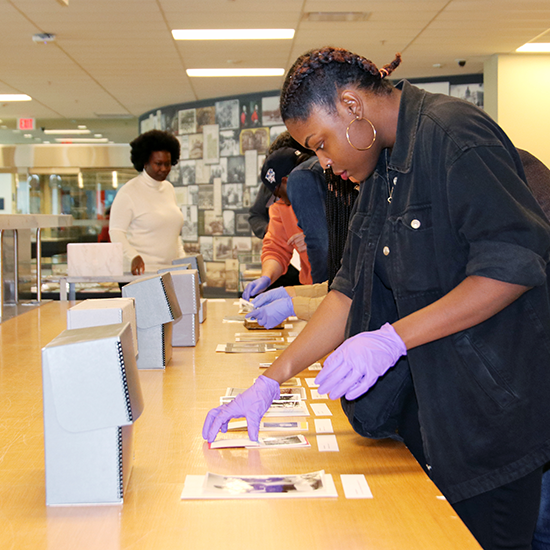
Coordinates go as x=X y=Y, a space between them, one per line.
x=541 y=538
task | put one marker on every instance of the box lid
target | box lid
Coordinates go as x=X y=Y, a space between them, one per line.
x=197 y=262
x=186 y=285
x=156 y=300
x=94 y=377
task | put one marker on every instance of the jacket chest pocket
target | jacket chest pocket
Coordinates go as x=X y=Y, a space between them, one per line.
x=412 y=246
x=361 y=244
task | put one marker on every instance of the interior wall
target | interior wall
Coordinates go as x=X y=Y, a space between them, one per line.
x=6 y=192
x=517 y=96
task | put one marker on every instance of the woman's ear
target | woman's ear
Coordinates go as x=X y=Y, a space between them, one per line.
x=352 y=103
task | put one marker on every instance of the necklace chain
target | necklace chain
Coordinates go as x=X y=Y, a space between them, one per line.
x=390 y=186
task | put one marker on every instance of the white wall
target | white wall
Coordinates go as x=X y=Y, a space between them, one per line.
x=6 y=191
x=517 y=96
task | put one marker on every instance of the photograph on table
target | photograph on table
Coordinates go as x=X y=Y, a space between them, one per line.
x=222 y=248
x=229 y=143
x=211 y=144
x=187 y=121
x=187 y=172
x=195 y=146
x=205 y=116
x=232 y=195
x=215 y=274
x=190 y=229
x=213 y=224
x=235 y=169
x=227 y=114
x=271 y=115
x=206 y=248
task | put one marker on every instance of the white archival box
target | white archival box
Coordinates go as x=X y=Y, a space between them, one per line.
x=94 y=259
x=92 y=397
x=186 y=331
x=104 y=311
x=156 y=308
x=202 y=310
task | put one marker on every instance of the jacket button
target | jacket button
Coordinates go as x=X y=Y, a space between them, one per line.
x=386 y=250
x=415 y=224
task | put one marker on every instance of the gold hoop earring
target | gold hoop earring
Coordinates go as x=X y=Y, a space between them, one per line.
x=373 y=136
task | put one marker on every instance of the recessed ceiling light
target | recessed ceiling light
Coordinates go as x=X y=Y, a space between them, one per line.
x=235 y=72
x=233 y=34
x=332 y=16
x=82 y=127
x=68 y=131
x=535 y=47
x=81 y=140
x=15 y=97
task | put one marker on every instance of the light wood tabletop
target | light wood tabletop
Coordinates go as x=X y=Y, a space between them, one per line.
x=405 y=512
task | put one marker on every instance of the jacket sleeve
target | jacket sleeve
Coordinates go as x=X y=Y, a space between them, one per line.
x=275 y=246
x=258 y=215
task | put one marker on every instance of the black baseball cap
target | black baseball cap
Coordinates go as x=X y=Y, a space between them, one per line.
x=278 y=165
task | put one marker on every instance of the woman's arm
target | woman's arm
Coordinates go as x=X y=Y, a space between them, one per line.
x=473 y=301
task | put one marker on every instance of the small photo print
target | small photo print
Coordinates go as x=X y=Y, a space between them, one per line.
x=228 y=222
x=191 y=248
x=227 y=114
x=241 y=245
x=222 y=248
x=184 y=147
x=232 y=195
x=211 y=144
x=189 y=231
x=275 y=132
x=187 y=171
x=213 y=225
x=235 y=169
x=231 y=275
x=207 y=248
x=202 y=172
x=271 y=115
x=174 y=177
x=206 y=197
x=205 y=116
x=469 y=92
x=254 y=139
x=187 y=122
x=215 y=274
x=195 y=146
x=219 y=171
x=242 y=227
x=193 y=195
x=229 y=143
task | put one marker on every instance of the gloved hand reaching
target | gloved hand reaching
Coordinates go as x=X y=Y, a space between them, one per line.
x=270 y=296
x=252 y=404
x=355 y=366
x=272 y=314
x=255 y=287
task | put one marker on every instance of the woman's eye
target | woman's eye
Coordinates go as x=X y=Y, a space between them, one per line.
x=320 y=146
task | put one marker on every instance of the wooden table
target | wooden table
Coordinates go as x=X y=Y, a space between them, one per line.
x=405 y=513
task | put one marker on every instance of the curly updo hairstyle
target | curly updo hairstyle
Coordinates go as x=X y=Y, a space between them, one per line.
x=316 y=77
x=155 y=140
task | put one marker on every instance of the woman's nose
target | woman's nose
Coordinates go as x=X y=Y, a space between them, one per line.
x=324 y=161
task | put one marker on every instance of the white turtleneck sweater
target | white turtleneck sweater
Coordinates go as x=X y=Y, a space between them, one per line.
x=146 y=219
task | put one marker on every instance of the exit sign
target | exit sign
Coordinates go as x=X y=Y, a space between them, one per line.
x=25 y=124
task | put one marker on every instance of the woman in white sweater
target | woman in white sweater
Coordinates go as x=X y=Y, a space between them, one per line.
x=145 y=217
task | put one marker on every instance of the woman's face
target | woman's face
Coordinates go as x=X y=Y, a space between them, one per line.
x=159 y=165
x=325 y=134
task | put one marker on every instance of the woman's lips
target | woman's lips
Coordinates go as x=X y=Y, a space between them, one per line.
x=343 y=175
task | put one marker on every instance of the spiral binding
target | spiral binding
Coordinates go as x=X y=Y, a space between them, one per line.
x=120 y=468
x=124 y=381
x=163 y=345
x=167 y=300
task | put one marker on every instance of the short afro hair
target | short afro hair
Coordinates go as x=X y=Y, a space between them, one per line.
x=149 y=142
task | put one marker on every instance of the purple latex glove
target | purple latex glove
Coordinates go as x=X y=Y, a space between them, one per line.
x=255 y=287
x=270 y=296
x=272 y=314
x=356 y=365
x=251 y=404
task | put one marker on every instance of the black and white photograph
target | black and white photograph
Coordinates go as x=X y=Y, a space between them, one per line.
x=215 y=274
x=189 y=231
x=232 y=275
x=235 y=169
x=275 y=132
x=271 y=115
x=213 y=225
x=242 y=227
x=205 y=116
x=241 y=245
x=211 y=144
x=222 y=248
x=227 y=114
x=193 y=195
x=207 y=248
x=232 y=195
x=195 y=146
x=202 y=172
x=174 y=177
x=219 y=171
x=469 y=92
x=184 y=147
x=229 y=143
x=187 y=122
x=206 y=197
x=187 y=171
x=228 y=222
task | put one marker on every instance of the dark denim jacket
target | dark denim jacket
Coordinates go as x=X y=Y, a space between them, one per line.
x=460 y=207
x=307 y=190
